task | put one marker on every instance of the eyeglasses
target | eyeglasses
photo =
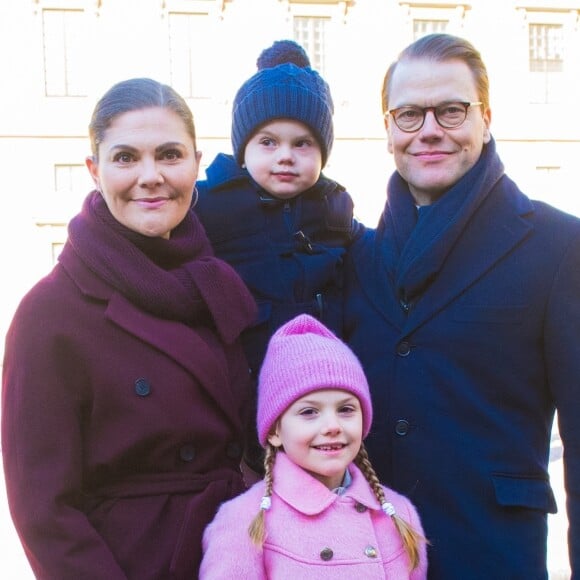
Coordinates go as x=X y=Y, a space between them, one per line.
x=448 y=115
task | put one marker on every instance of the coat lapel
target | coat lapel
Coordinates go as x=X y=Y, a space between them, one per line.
x=496 y=228
x=368 y=262
x=184 y=345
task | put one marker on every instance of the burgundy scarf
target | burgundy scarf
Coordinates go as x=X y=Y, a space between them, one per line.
x=177 y=279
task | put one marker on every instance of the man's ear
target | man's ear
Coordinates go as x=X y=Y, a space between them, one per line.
x=389 y=141
x=487 y=123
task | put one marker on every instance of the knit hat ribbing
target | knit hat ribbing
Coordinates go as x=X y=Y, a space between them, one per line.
x=285 y=87
x=304 y=356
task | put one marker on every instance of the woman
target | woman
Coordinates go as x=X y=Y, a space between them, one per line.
x=125 y=390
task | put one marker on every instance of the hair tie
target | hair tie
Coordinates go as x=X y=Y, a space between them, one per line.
x=388 y=508
x=266 y=503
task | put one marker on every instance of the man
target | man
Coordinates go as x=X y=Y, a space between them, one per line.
x=464 y=308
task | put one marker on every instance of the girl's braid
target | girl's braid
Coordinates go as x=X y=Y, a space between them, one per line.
x=411 y=539
x=257 y=529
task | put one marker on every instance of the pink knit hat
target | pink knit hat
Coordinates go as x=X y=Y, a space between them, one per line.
x=304 y=356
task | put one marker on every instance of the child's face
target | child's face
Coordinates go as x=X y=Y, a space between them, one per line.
x=284 y=158
x=322 y=433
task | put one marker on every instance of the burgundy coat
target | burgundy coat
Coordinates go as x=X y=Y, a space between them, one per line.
x=121 y=432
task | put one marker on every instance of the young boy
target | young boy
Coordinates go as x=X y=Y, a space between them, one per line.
x=268 y=210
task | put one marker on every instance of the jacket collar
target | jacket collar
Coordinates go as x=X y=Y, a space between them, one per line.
x=307 y=495
x=223 y=169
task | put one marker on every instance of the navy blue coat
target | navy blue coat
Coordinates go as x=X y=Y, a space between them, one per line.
x=289 y=252
x=465 y=380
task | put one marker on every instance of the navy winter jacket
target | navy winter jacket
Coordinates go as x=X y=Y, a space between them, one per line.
x=289 y=252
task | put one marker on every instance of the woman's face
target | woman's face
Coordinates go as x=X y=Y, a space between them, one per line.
x=146 y=170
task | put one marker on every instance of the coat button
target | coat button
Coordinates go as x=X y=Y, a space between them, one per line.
x=187 y=452
x=370 y=552
x=234 y=450
x=142 y=387
x=326 y=554
x=401 y=427
x=360 y=508
x=403 y=348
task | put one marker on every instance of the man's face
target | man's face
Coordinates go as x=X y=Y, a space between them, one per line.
x=432 y=159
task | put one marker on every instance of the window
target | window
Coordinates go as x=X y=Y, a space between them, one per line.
x=546 y=47
x=546 y=61
x=310 y=32
x=71 y=182
x=63 y=41
x=316 y=26
x=56 y=249
x=70 y=178
x=189 y=37
x=424 y=27
x=431 y=16
x=52 y=237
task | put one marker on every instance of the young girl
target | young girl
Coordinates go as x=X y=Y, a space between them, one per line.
x=320 y=511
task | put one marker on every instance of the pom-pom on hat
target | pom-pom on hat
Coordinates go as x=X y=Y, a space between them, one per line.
x=283 y=51
x=285 y=87
x=304 y=356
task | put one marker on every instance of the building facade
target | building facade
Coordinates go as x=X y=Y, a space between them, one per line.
x=59 y=56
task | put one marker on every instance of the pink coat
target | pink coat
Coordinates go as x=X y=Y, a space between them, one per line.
x=312 y=533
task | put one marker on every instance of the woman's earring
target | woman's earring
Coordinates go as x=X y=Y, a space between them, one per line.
x=196 y=196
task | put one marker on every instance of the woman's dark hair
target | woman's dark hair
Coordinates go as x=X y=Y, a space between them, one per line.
x=442 y=48
x=133 y=95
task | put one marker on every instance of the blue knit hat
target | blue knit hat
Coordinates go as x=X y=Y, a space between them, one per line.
x=285 y=87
